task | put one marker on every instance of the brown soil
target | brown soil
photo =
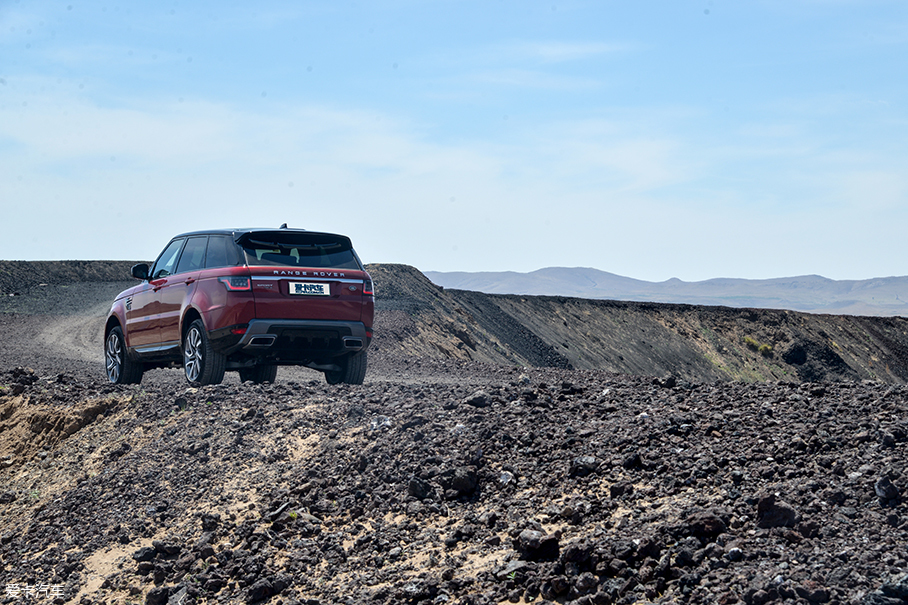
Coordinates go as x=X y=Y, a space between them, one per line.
x=459 y=473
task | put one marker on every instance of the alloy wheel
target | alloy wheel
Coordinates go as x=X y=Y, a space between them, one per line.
x=192 y=354
x=113 y=353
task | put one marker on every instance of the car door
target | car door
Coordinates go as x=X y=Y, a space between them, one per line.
x=142 y=328
x=175 y=291
x=143 y=324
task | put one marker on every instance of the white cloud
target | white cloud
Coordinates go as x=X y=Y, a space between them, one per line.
x=75 y=129
x=639 y=193
x=185 y=166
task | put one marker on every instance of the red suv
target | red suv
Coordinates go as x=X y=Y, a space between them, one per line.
x=247 y=300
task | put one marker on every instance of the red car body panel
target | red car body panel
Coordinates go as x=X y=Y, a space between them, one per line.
x=274 y=298
x=138 y=313
x=219 y=307
x=175 y=294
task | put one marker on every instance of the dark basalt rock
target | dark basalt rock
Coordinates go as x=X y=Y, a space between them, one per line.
x=705 y=525
x=771 y=513
x=479 y=399
x=260 y=591
x=462 y=481
x=146 y=553
x=157 y=596
x=583 y=466
x=537 y=546
x=419 y=489
x=885 y=490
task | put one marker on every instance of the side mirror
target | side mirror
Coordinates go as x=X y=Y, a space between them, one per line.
x=140 y=271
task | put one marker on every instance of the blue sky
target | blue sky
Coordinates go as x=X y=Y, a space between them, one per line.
x=653 y=139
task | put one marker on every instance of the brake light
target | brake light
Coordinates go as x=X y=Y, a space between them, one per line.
x=234 y=284
x=368 y=288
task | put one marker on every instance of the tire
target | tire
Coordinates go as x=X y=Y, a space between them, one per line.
x=259 y=374
x=120 y=368
x=201 y=363
x=352 y=369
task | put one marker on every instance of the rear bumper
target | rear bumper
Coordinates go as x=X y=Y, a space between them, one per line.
x=299 y=340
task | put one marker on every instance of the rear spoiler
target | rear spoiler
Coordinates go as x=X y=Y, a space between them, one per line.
x=295 y=239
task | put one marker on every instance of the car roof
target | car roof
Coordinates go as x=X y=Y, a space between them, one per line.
x=237 y=233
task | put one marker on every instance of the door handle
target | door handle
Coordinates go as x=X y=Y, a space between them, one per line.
x=190 y=281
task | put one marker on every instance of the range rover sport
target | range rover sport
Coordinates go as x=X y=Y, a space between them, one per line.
x=244 y=300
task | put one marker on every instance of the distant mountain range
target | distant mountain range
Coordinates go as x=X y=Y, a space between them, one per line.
x=884 y=296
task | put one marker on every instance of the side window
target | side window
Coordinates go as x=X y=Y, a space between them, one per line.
x=221 y=252
x=164 y=266
x=193 y=255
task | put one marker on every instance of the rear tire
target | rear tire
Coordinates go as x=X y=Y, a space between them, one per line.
x=259 y=374
x=120 y=368
x=352 y=369
x=201 y=363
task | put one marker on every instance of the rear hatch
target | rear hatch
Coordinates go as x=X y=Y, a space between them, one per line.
x=304 y=275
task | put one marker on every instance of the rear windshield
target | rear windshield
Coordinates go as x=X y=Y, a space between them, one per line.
x=312 y=250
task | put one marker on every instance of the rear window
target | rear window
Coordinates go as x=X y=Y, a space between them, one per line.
x=311 y=250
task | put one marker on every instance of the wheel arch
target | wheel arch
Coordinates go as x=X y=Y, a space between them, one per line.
x=113 y=322
x=129 y=370
x=189 y=316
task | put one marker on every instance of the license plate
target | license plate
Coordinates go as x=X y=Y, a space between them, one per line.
x=310 y=289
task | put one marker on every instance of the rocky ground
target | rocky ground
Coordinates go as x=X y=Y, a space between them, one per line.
x=438 y=481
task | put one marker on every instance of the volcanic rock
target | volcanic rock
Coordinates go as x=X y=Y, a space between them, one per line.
x=460 y=481
x=479 y=399
x=775 y=514
x=582 y=466
x=535 y=545
x=885 y=490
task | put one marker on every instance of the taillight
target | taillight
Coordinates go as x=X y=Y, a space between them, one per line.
x=368 y=289
x=234 y=284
